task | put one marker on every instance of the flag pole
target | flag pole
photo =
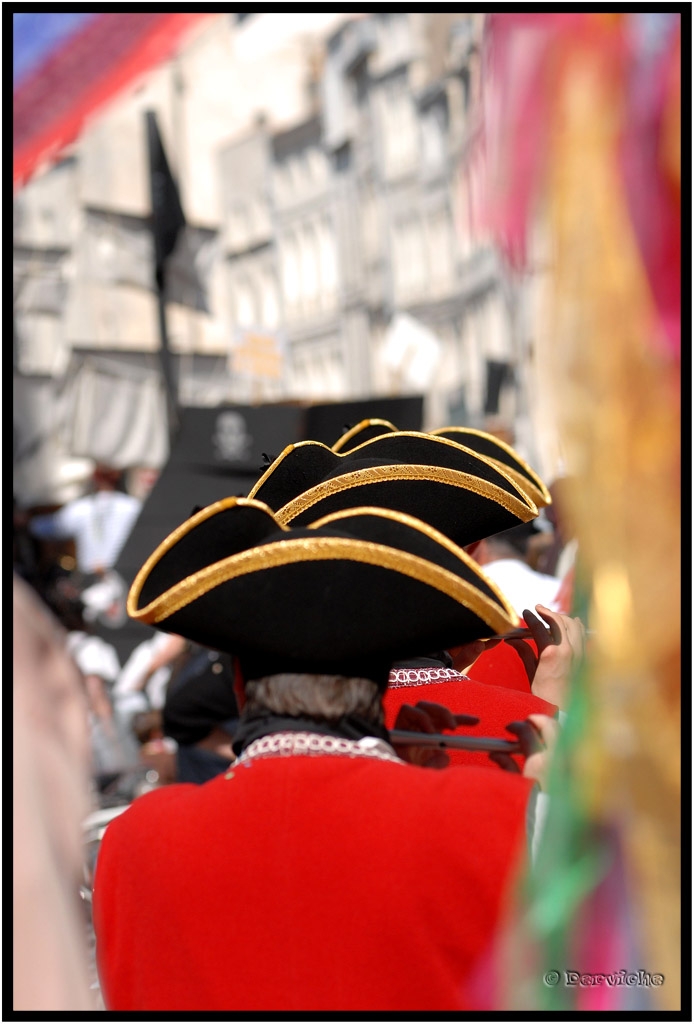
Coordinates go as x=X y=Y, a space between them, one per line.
x=167 y=363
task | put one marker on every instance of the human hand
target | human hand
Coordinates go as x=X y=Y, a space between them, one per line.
x=426 y=716
x=558 y=651
x=537 y=762
x=537 y=736
x=558 y=645
x=540 y=634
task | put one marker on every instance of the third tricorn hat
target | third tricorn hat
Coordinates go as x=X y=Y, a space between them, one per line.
x=492 y=447
x=502 y=455
x=348 y=595
x=457 y=491
x=361 y=432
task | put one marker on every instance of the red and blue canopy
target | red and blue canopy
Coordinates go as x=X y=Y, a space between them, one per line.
x=66 y=66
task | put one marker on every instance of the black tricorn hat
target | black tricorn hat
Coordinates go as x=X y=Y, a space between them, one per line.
x=504 y=456
x=361 y=432
x=462 y=494
x=347 y=595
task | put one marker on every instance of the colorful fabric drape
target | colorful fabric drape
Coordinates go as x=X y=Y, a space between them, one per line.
x=66 y=66
x=583 y=133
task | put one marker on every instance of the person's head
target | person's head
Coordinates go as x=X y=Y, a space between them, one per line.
x=511 y=543
x=147 y=725
x=559 y=512
x=139 y=481
x=321 y=697
x=105 y=477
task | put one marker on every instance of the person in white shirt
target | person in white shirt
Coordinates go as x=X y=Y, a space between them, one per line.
x=502 y=560
x=99 y=523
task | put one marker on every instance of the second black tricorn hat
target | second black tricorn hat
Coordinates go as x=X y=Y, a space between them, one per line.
x=462 y=494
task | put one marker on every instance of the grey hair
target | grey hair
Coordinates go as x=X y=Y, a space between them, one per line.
x=327 y=697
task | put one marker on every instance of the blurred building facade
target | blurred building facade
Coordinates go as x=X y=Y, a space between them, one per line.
x=328 y=166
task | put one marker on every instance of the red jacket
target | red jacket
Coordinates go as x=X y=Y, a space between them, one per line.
x=495 y=706
x=502 y=666
x=306 y=883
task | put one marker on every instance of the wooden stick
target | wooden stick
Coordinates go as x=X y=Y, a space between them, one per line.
x=432 y=739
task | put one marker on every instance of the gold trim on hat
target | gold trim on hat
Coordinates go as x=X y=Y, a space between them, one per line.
x=532 y=476
x=273 y=465
x=176 y=535
x=288 y=552
x=429 y=531
x=539 y=497
x=404 y=471
x=362 y=425
x=493 y=464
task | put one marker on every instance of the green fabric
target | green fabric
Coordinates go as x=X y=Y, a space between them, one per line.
x=571 y=860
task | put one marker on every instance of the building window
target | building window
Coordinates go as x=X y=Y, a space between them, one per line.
x=398 y=127
x=290 y=271
x=282 y=183
x=434 y=135
x=327 y=260
x=270 y=301
x=370 y=233
x=409 y=264
x=316 y=159
x=439 y=249
x=318 y=371
x=239 y=226
x=343 y=158
x=394 y=40
x=463 y=216
x=309 y=266
x=245 y=304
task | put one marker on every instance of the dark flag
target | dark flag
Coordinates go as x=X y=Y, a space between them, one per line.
x=167 y=213
x=499 y=375
x=167 y=222
x=188 y=267
x=187 y=252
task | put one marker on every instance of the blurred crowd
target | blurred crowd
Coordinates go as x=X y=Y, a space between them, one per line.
x=67 y=555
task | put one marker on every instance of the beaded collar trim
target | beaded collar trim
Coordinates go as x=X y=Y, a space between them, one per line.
x=421 y=676
x=313 y=744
